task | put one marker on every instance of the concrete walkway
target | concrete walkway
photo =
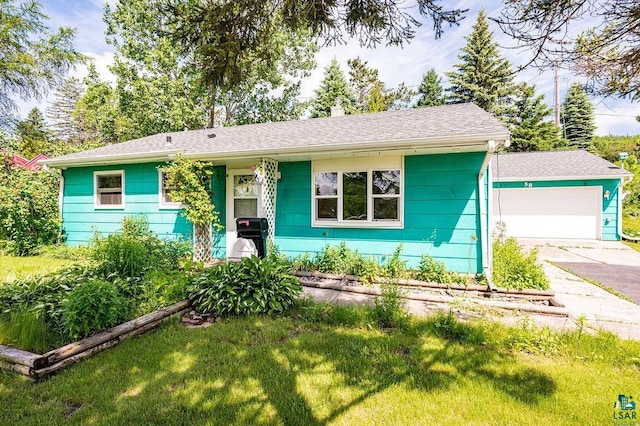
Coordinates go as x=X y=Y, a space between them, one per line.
x=600 y=309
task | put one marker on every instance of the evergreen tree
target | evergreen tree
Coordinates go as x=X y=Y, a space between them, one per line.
x=33 y=58
x=371 y=93
x=430 y=90
x=334 y=85
x=577 y=118
x=33 y=136
x=60 y=113
x=483 y=77
x=529 y=130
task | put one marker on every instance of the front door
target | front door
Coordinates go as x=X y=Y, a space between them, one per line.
x=243 y=201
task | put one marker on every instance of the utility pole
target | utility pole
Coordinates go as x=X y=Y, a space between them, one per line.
x=557 y=94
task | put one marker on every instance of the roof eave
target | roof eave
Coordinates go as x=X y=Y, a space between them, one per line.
x=558 y=178
x=394 y=144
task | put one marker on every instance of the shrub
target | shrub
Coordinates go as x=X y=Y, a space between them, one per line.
x=387 y=310
x=515 y=269
x=250 y=286
x=91 y=306
x=29 y=214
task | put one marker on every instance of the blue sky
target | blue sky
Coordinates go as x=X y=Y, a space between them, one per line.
x=396 y=65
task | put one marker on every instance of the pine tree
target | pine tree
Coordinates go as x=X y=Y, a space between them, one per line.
x=33 y=136
x=529 y=130
x=60 y=113
x=483 y=77
x=334 y=85
x=577 y=118
x=430 y=90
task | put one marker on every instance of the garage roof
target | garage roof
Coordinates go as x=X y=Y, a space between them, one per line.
x=553 y=165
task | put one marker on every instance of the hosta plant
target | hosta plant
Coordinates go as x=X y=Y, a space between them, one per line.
x=250 y=286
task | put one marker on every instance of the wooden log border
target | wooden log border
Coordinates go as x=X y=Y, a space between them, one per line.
x=554 y=308
x=426 y=284
x=41 y=366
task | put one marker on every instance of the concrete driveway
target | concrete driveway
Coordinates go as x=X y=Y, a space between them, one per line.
x=610 y=263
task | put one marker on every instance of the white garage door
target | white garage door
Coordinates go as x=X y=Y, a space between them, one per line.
x=563 y=212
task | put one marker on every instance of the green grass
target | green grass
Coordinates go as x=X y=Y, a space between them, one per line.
x=12 y=267
x=308 y=369
x=631 y=227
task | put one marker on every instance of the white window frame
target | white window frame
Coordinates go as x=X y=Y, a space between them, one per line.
x=358 y=164
x=96 y=204
x=231 y=219
x=163 y=205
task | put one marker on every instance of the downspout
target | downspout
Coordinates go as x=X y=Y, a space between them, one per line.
x=623 y=181
x=484 y=218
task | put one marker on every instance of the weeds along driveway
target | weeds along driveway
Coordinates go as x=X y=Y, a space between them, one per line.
x=610 y=263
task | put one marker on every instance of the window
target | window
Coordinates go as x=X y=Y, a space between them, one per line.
x=245 y=196
x=165 y=193
x=108 y=189
x=350 y=194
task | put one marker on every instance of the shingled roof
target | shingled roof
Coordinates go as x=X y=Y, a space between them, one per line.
x=553 y=165
x=449 y=125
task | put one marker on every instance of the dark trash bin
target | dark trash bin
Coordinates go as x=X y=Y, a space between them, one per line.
x=255 y=229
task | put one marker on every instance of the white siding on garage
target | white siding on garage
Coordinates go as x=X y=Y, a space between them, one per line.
x=561 y=212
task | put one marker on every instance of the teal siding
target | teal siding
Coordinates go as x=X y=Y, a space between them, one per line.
x=610 y=207
x=81 y=219
x=440 y=214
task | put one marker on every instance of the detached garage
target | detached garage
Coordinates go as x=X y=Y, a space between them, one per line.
x=561 y=195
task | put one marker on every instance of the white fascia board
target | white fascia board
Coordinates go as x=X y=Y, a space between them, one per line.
x=144 y=157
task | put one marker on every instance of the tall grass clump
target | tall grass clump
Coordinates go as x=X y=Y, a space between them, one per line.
x=388 y=310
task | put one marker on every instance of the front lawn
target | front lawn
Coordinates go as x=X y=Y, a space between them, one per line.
x=12 y=267
x=308 y=369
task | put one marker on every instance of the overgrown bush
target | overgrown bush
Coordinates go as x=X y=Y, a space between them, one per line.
x=250 y=286
x=91 y=306
x=515 y=269
x=387 y=310
x=29 y=214
x=135 y=250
